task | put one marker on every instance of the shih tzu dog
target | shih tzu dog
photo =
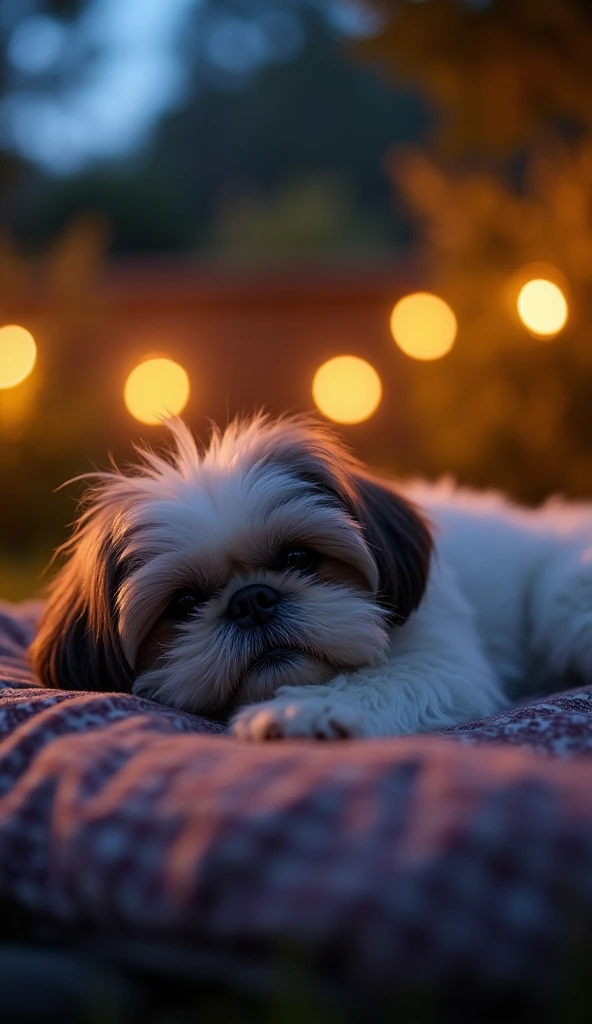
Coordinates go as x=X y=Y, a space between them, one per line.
x=272 y=581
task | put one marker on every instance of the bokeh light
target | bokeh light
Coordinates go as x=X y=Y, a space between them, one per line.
x=423 y=326
x=18 y=353
x=542 y=307
x=155 y=388
x=347 y=389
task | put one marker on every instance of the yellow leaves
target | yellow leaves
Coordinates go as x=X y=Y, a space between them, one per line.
x=505 y=408
x=479 y=219
x=498 y=73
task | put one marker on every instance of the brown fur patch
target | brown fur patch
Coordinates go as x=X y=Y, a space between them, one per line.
x=155 y=645
x=332 y=570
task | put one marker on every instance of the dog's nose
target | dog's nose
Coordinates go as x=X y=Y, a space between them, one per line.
x=253 y=605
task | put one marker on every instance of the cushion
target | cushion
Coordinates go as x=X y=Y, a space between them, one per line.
x=435 y=860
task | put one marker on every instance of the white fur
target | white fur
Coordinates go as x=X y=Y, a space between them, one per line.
x=435 y=675
x=507 y=609
x=528 y=576
x=507 y=612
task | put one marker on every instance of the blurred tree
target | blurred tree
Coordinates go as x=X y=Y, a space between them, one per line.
x=144 y=212
x=38 y=56
x=505 y=408
x=498 y=71
x=511 y=79
x=313 y=114
x=53 y=416
x=272 y=98
x=315 y=215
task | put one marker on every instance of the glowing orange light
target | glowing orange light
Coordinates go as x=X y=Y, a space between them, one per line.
x=18 y=353
x=347 y=389
x=155 y=388
x=542 y=307
x=423 y=326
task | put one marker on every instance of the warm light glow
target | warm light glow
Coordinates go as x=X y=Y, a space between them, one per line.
x=18 y=353
x=347 y=389
x=542 y=307
x=157 y=387
x=423 y=326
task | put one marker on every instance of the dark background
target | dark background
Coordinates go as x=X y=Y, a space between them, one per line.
x=248 y=186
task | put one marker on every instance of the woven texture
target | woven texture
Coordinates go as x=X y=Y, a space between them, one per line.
x=415 y=861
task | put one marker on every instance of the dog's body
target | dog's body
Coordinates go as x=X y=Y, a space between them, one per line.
x=272 y=580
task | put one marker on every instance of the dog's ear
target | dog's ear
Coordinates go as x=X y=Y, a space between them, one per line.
x=395 y=532
x=400 y=540
x=77 y=646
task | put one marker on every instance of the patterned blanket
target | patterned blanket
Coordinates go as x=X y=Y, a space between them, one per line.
x=415 y=862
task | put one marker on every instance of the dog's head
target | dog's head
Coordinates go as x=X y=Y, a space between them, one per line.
x=207 y=579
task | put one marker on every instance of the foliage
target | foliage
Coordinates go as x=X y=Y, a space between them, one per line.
x=498 y=71
x=510 y=77
x=292 y=119
x=504 y=408
x=14 y=83
x=49 y=419
x=317 y=215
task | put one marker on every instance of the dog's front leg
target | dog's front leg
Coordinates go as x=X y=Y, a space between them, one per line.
x=436 y=675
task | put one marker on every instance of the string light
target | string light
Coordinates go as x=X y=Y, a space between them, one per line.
x=542 y=307
x=423 y=326
x=155 y=388
x=18 y=353
x=347 y=389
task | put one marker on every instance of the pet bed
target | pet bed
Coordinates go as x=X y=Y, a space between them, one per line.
x=414 y=864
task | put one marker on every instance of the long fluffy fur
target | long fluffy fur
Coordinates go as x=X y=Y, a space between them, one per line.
x=383 y=639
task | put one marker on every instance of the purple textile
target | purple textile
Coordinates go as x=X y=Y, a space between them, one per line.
x=416 y=861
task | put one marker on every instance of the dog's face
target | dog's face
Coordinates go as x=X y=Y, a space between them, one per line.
x=207 y=580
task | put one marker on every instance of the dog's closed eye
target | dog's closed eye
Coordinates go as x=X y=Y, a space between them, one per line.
x=183 y=605
x=299 y=559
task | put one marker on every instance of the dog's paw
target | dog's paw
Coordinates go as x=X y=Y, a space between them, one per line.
x=299 y=718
